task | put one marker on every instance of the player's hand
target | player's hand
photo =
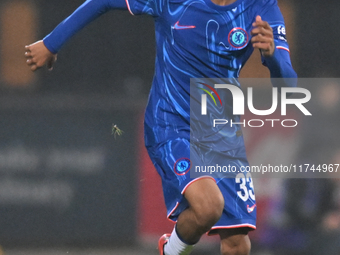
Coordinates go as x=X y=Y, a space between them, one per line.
x=37 y=56
x=263 y=37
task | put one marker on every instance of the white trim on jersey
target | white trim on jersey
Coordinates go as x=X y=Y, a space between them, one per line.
x=174 y=209
x=282 y=48
x=231 y=226
x=202 y=177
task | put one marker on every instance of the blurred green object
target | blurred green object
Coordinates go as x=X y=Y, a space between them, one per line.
x=116 y=130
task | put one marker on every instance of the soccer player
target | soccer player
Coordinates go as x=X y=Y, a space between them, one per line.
x=195 y=39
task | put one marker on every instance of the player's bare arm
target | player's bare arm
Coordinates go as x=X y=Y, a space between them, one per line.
x=37 y=56
x=263 y=38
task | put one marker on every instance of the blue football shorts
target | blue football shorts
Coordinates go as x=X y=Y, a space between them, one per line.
x=172 y=161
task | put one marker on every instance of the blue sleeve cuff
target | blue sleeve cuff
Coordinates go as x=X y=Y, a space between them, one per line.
x=48 y=44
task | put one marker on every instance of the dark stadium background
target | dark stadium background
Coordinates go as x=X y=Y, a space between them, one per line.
x=67 y=186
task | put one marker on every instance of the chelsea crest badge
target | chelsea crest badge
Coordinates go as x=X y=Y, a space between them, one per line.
x=238 y=37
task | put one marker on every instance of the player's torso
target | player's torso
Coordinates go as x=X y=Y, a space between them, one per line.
x=195 y=39
x=206 y=39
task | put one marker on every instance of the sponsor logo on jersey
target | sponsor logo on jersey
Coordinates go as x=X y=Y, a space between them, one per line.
x=182 y=166
x=282 y=38
x=177 y=26
x=281 y=30
x=250 y=209
x=238 y=37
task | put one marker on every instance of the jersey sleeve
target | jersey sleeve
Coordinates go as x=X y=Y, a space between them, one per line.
x=272 y=14
x=150 y=7
x=84 y=14
x=279 y=64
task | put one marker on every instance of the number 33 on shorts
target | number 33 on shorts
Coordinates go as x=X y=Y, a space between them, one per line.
x=246 y=186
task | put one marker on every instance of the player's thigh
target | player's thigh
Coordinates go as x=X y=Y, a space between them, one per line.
x=205 y=197
x=172 y=162
x=234 y=241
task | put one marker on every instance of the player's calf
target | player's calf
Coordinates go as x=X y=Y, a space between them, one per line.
x=207 y=212
x=235 y=241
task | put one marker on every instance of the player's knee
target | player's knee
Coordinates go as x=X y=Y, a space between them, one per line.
x=209 y=212
x=239 y=246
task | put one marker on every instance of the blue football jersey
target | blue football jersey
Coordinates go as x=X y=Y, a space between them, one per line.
x=199 y=39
